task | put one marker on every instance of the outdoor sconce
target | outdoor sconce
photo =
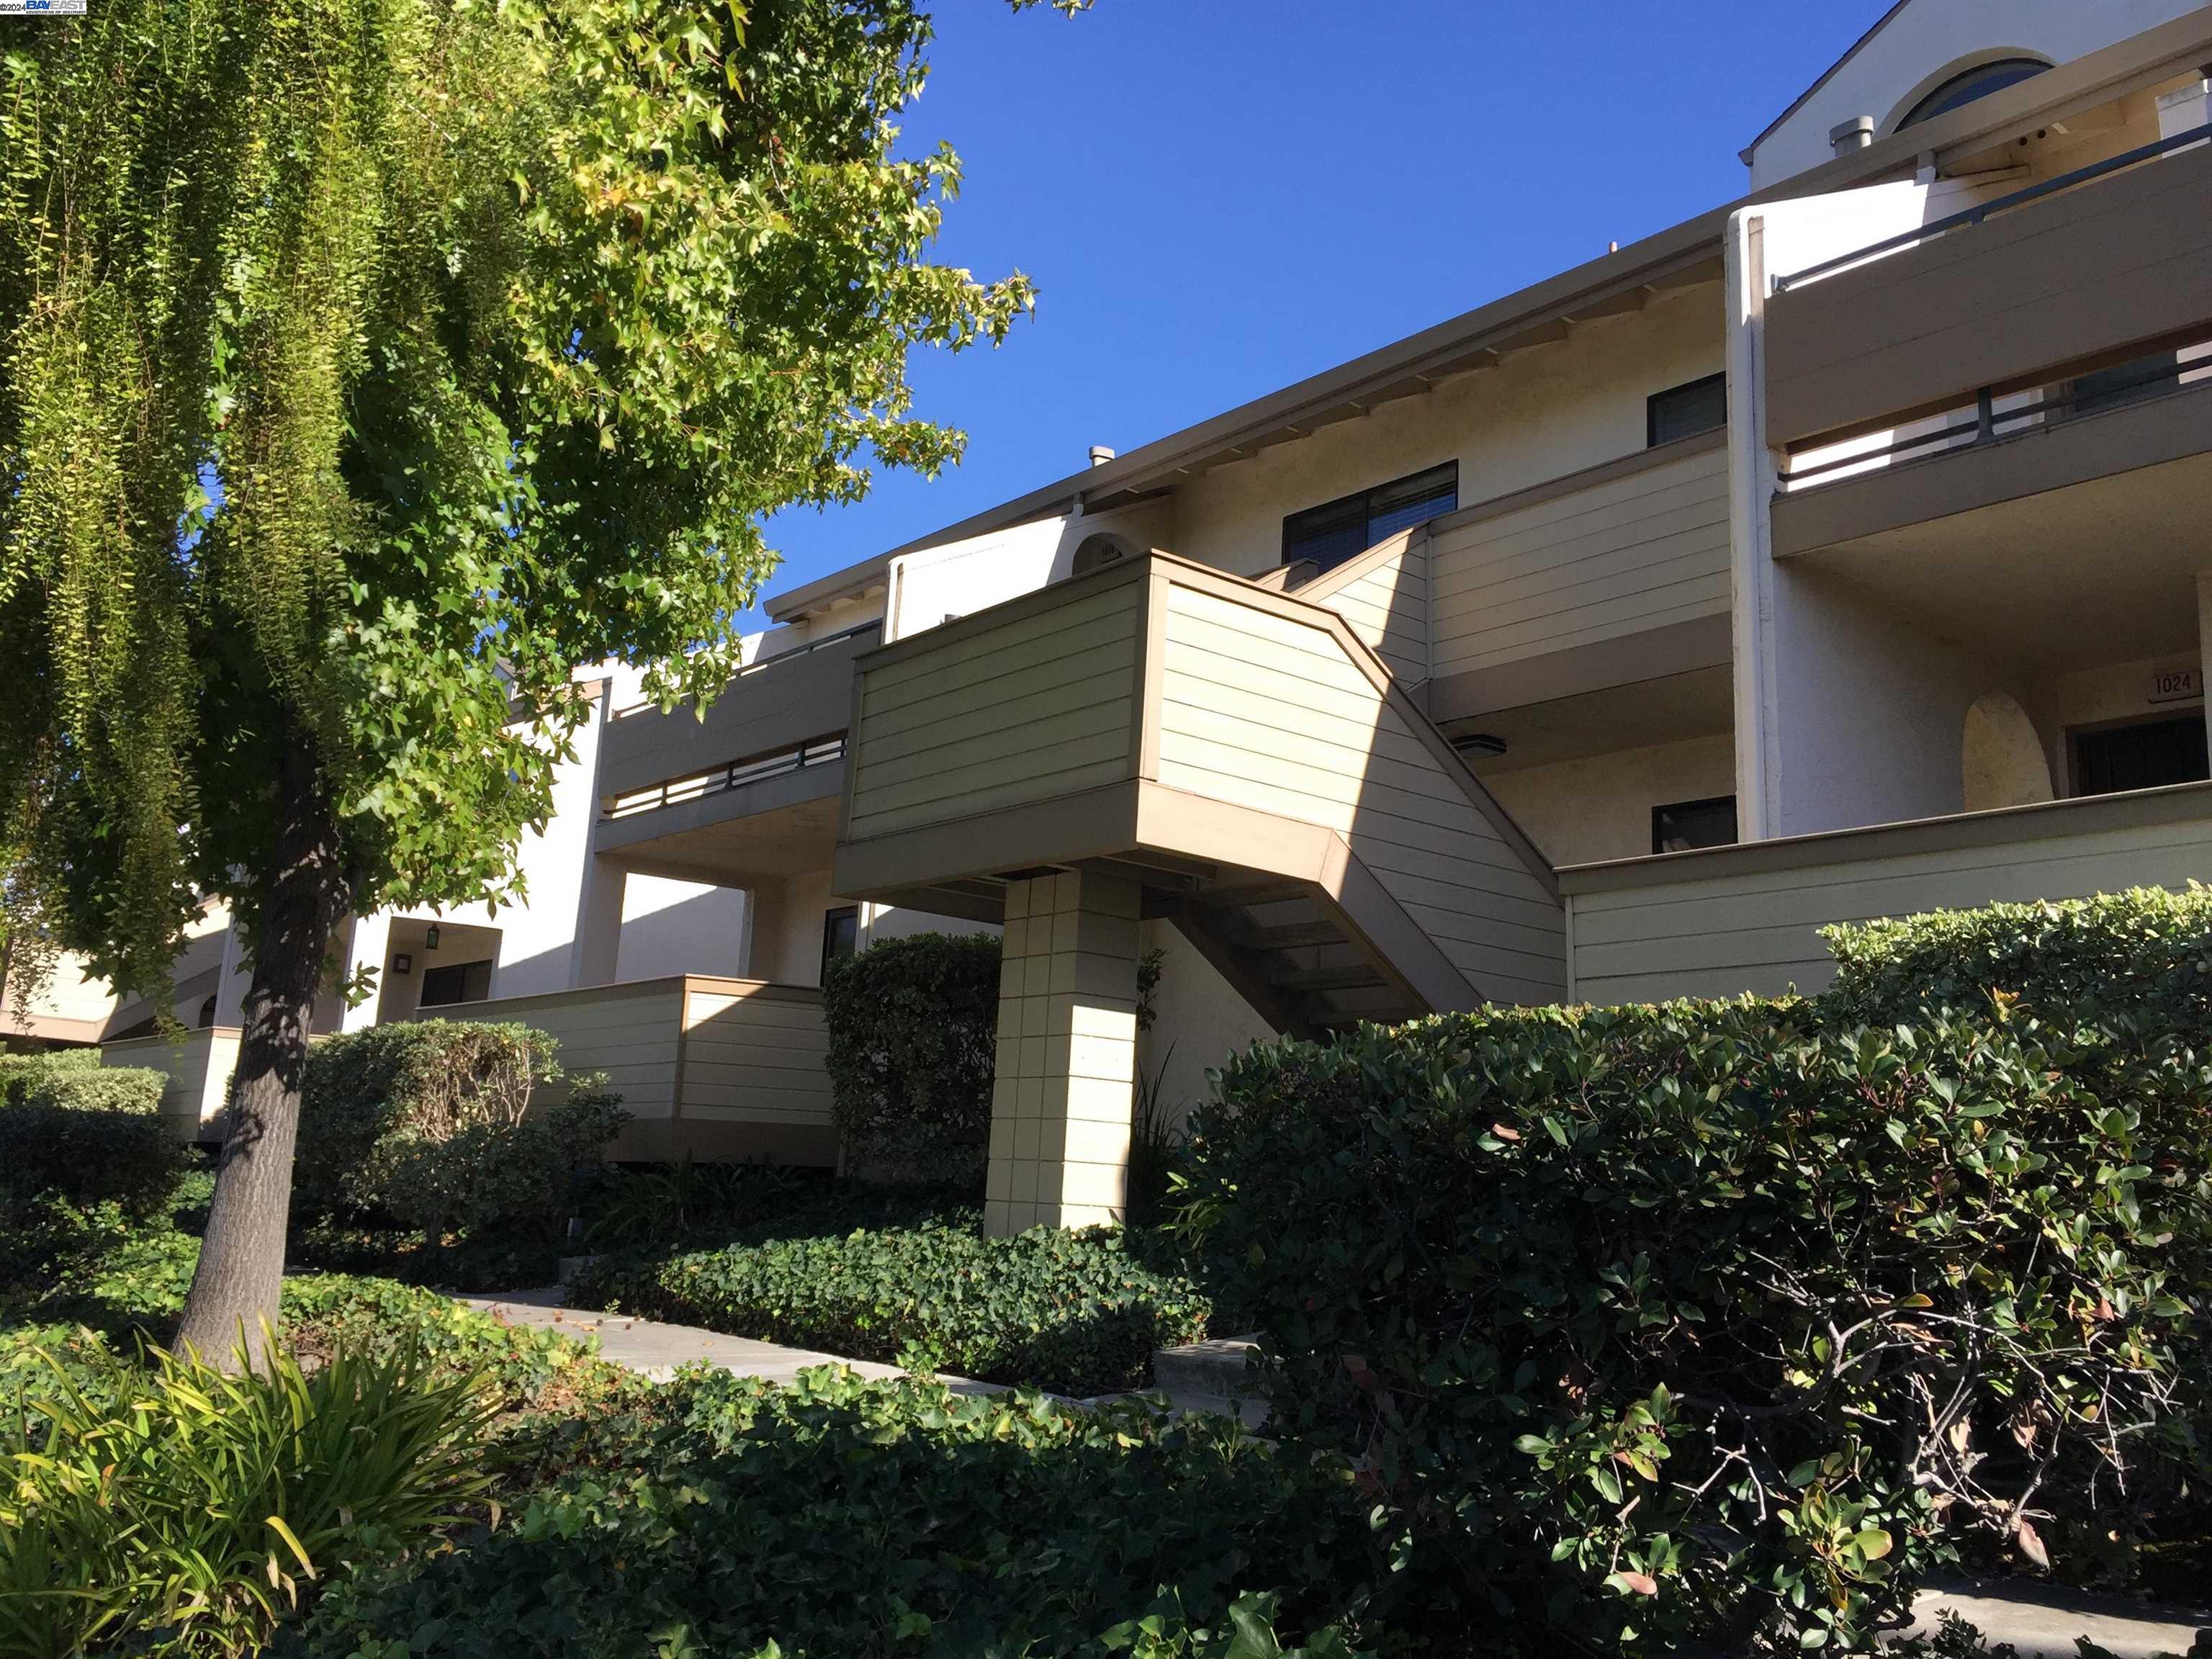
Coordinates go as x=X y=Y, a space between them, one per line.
x=403 y=964
x=430 y=937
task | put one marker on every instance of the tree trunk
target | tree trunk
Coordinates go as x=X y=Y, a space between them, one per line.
x=241 y=1265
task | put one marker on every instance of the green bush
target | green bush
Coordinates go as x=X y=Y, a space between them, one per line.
x=1071 y=1312
x=426 y=1078
x=18 y=1072
x=85 y=1156
x=427 y=1126
x=2138 y=961
x=839 y=1518
x=173 y=1506
x=96 y=1089
x=914 y=1027
x=1701 y=1320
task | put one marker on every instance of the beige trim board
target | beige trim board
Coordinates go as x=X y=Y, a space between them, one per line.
x=2044 y=820
x=1092 y=824
x=1654 y=653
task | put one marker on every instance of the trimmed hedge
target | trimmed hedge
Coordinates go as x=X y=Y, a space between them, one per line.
x=837 y=1517
x=914 y=1027
x=18 y=1072
x=1071 y=1312
x=1705 y=1319
x=422 y=1077
x=133 y=1089
x=85 y=1155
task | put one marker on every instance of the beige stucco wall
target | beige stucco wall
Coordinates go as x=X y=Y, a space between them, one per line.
x=1542 y=414
x=1582 y=811
x=1200 y=1022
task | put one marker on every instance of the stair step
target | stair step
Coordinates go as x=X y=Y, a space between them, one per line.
x=1219 y=1368
x=1293 y=937
x=1359 y=978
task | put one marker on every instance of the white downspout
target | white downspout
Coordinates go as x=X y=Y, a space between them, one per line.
x=1753 y=479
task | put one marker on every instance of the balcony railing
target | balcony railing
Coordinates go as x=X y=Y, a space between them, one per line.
x=1990 y=210
x=1992 y=416
x=756 y=768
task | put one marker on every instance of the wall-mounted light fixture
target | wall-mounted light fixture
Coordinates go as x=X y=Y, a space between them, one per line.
x=430 y=937
x=1479 y=745
x=403 y=964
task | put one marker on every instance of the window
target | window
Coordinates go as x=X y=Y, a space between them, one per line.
x=1684 y=412
x=455 y=981
x=1341 y=530
x=2141 y=755
x=1689 y=824
x=1964 y=89
x=841 y=936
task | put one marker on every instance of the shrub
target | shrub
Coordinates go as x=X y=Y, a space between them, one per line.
x=1071 y=1312
x=494 y=1174
x=837 y=1517
x=2138 y=961
x=179 y=1504
x=426 y=1078
x=914 y=1027
x=1693 y=1320
x=96 y=1089
x=17 y=1072
x=85 y=1156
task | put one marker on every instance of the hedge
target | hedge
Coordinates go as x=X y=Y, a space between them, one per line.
x=1071 y=1312
x=87 y=1155
x=18 y=1072
x=424 y=1077
x=914 y=1027
x=837 y=1517
x=1706 y=1319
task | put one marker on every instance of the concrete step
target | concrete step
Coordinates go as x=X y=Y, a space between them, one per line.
x=1219 y=1370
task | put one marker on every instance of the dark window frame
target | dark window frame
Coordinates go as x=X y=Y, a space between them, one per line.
x=831 y=949
x=2176 y=715
x=1660 y=400
x=1358 y=508
x=1705 y=803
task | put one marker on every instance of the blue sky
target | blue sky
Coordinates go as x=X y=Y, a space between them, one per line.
x=1218 y=197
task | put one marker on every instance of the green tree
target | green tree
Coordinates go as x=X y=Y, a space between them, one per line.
x=366 y=367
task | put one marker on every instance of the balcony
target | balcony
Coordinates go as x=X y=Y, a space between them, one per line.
x=2085 y=270
x=1246 y=756
x=751 y=791
x=1738 y=919
x=721 y=1070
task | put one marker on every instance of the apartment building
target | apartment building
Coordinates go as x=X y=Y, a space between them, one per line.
x=1837 y=553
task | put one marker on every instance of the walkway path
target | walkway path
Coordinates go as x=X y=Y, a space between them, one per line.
x=655 y=1350
x=2041 y=1623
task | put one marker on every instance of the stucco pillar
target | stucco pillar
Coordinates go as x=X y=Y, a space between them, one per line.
x=1061 y=1101
x=768 y=910
x=370 y=948
x=596 y=957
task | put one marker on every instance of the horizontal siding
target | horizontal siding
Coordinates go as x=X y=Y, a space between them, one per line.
x=629 y=1035
x=1387 y=607
x=1264 y=712
x=1640 y=552
x=1037 y=707
x=754 y=1058
x=1758 y=931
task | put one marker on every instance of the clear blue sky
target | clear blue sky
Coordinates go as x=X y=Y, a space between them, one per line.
x=1219 y=196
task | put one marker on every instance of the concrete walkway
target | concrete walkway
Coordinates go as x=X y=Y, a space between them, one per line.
x=2044 y=1619
x=655 y=1350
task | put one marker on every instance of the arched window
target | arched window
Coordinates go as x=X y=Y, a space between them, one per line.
x=1095 y=553
x=1966 y=86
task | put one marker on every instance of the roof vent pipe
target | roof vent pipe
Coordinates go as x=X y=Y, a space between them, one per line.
x=1100 y=454
x=1856 y=134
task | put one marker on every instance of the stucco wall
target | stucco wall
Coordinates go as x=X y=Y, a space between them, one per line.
x=1582 y=812
x=1200 y=1022
x=1928 y=41
x=1542 y=414
x=672 y=926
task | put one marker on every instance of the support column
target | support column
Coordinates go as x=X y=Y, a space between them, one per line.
x=596 y=957
x=370 y=948
x=1061 y=1102
x=768 y=910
